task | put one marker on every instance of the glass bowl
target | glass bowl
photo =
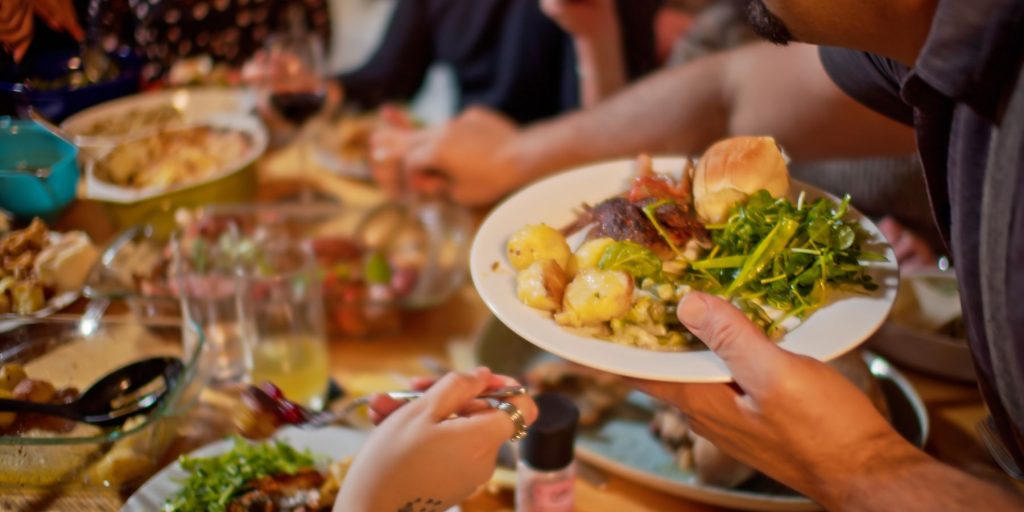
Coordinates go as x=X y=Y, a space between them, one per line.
x=74 y=352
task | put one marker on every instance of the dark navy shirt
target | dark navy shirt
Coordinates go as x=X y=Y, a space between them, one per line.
x=506 y=54
x=955 y=96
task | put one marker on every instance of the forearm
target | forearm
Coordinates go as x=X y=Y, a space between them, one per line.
x=913 y=481
x=655 y=115
x=600 y=65
x=759 y=89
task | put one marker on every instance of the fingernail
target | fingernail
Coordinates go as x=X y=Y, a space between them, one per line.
x=692 y=311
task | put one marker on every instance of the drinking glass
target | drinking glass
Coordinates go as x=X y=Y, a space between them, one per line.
x=280 y=300
x=203 y=271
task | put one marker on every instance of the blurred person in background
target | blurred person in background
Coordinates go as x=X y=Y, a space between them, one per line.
x=951 y=71
x=529 y=59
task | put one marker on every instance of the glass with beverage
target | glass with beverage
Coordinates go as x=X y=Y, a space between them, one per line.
x=280 y=301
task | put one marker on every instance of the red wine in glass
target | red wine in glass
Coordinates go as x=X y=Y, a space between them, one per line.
x=297 y=107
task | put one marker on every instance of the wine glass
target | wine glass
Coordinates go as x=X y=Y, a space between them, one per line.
x=293 y=82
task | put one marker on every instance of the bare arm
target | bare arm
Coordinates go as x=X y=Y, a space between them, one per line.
x=757 y=89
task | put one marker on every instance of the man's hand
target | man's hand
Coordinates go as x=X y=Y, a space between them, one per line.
x=432 y=452
x=793 y=417
x=471 y=156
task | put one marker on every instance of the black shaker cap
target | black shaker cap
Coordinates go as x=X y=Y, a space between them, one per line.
x=548 y=445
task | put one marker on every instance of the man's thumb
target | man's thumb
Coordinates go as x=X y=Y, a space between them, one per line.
x=747 y=352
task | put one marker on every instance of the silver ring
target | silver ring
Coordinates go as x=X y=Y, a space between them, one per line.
x=514 y=414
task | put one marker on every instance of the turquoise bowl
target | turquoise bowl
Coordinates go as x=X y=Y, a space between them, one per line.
x=26 y=147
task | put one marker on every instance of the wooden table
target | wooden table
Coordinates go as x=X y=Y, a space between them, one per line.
x=954 y=409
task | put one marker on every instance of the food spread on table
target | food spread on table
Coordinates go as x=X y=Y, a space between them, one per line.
x=173 y=157
x=134 y=120
x=724 y=227
x=37 y=264
x=269 y=476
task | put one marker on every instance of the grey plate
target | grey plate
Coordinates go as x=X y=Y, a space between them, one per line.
x=623 y=444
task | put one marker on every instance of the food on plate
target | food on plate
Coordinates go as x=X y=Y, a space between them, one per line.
x=723 y=227
x=594 y=393
x=715 y=467
x=733 y=169
x=269 y=476
x=173 y=157
x=535 y=243
x=36 y=264
x=541 y=285
x=134 y=120
x=16 y=384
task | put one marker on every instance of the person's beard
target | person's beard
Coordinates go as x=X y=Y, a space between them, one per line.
x=767 y=24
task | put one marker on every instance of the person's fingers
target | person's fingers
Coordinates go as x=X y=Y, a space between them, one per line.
x=753 y=360
x=381 y=406
x=453 y=391
x=422 y=383
x=493 y=425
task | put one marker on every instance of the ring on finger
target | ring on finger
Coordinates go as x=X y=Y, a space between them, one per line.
x=514 y=414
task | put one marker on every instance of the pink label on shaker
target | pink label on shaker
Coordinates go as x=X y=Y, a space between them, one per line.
x=552 y=496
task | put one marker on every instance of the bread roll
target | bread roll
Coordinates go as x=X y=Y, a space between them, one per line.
x=732 y=169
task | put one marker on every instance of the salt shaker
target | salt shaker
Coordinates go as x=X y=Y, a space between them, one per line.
x=546 y=471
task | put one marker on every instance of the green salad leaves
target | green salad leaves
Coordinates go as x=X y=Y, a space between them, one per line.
x=785 y=255
x=215 y=481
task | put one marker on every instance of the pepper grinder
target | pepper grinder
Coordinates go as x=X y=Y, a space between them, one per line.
x=546 y=471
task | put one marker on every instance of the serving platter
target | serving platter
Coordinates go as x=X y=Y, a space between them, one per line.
x=622 y=443
x=330 y=442
x=846 y=321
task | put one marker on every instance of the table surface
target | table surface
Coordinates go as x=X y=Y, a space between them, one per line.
x=953 y=408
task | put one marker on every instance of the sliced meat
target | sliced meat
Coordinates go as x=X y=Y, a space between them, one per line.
x=619 y=219
x=282 y=493
x=678 y=221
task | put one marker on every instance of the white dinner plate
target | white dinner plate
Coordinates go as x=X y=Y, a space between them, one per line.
x=331 y=442
x=846 y=321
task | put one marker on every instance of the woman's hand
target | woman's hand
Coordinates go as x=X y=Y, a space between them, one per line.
x=433 y=452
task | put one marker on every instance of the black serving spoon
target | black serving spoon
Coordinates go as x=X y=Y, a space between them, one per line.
x=110 y=401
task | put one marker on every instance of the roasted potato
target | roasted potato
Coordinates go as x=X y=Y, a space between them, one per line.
x=33 y=390
x=588 y=255
x=542 y=285
x=537 y=242
x=596 y=296
x=28 y=297
x=10 y=375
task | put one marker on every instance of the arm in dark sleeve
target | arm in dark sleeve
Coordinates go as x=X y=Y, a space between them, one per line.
x=636 y=23
x=397 y=67
x=871 y=80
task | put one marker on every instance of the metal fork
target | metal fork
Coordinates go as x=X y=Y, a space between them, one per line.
x=321 y=419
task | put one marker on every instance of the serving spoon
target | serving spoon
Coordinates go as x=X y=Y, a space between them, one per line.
x=110 y=401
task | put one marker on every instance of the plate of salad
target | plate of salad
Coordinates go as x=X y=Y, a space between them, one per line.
x=296 y=470
x=590 y=264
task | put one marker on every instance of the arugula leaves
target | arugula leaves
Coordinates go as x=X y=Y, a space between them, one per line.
x=215 y=481
x=785 y=255
x=635 y=259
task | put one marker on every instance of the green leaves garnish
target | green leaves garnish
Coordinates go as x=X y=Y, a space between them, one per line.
x=785 y=255
x=632 y=258
x=215 y=481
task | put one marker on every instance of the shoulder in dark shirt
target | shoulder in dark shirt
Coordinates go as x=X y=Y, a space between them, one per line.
x=872 y=80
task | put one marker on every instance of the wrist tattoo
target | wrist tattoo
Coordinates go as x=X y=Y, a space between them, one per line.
x=421 y=505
